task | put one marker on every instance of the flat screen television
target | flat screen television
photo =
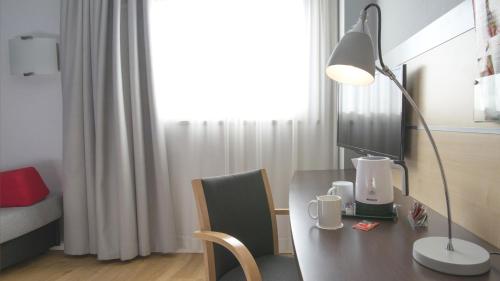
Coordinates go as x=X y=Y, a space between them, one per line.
x=371 y=119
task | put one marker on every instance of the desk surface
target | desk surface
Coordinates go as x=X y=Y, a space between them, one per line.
x=384 y=253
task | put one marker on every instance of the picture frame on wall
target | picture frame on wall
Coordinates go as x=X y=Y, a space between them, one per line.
x=487 y=85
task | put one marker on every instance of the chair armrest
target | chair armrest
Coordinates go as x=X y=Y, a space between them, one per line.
x=280 y=211
x=239 y=250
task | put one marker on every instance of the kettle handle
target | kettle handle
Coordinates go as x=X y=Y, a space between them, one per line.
x=401 y=166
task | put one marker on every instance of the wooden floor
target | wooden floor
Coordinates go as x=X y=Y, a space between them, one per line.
x=55 y=266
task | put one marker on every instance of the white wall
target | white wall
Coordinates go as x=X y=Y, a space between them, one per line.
x=403 y=18
x=400 y=18
x=352 y=9
x=30 y=107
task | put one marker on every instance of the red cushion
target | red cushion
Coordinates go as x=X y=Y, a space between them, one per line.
x=21 y=187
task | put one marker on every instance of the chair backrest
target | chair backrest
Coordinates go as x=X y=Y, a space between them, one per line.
x=239 y=205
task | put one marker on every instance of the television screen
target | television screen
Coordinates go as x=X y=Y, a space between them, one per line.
x=371 y=118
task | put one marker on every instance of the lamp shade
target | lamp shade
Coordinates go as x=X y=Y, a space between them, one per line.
x=352 y=61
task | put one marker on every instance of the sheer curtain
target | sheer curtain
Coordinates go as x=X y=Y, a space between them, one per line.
x=240 y=85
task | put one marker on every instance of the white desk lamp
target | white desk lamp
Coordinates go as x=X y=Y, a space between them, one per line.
x=352 y=62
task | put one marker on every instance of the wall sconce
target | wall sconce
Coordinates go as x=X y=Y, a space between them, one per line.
x=33 y=55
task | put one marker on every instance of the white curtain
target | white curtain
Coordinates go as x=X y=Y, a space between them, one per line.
x=117 y=200
x=241 y=86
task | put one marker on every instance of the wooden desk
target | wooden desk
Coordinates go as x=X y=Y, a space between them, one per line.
x=384 y=253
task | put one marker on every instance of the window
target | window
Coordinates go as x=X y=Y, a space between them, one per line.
x=229 y=59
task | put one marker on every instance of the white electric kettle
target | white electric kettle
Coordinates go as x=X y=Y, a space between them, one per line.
x=374 y=189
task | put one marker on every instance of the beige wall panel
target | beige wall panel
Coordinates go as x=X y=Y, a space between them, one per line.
x=472 y=163
x=442 y=83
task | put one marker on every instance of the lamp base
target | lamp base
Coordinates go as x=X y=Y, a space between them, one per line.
x=467 y=258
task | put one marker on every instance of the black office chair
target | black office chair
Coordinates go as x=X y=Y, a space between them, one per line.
x=237 y=213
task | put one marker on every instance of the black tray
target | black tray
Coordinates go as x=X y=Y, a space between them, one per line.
x=393 y=217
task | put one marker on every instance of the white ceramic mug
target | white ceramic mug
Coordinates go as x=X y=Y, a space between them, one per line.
x=344 y=189
x=329 y=211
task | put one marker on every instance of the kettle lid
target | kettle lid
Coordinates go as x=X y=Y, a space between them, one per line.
x=374 y=158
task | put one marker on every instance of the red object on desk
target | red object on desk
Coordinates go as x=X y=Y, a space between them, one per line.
x=365 y=225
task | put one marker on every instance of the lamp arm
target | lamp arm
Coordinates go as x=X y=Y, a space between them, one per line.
x=387 y=72
x=379 y=30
